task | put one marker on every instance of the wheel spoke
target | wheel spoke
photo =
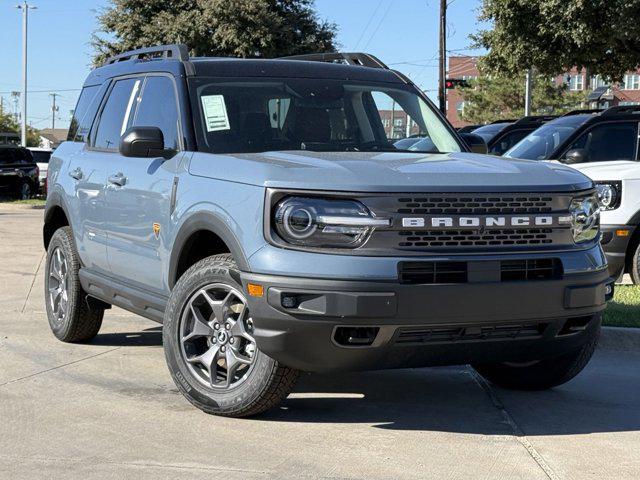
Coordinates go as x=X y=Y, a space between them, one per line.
x=217 y=306
x=239 y=330
x=200 y=326
x=209 y=360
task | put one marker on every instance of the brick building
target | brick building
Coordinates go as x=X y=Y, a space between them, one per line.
x=602 y=93
x=395 y=124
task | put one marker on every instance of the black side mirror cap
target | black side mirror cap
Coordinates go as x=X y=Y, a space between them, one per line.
x=576 y=155
x=475 y=142
x=142 y=142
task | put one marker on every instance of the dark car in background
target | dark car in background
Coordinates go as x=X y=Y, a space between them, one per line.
x=19 y=173
x=500 y=136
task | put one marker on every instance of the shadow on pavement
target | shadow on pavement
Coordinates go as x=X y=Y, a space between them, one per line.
x=150 y=337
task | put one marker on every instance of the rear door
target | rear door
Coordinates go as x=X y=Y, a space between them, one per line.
x=139 y=203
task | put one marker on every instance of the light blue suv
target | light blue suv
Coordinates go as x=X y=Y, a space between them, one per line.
x=260 y=210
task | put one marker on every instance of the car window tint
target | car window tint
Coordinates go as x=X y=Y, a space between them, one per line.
x=83 y=114
x=507 y=141
x=40 y=156
x=157 y=108
x=6 y=156
x=609 y=141
x=115 y=116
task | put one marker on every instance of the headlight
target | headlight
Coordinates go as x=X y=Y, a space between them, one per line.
x=585 y=218
x=609 y=194
x=317 y=222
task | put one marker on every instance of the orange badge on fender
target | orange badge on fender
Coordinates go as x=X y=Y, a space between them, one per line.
x=156 y=229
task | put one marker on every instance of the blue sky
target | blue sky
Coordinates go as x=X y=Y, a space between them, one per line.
x=402 y=33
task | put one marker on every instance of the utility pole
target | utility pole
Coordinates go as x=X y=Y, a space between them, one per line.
x=443 y=58
x=527 y=93
x=25 y=7
x=54 y=109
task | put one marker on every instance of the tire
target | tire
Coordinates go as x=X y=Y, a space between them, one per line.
x=540 y=375
x=634 y=271
x=25 y=191
x=81 y=319
x=206 y=330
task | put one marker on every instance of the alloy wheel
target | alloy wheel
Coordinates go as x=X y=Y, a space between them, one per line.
x=216 y=338
x=58 y=285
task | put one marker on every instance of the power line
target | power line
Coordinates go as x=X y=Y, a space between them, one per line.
x=368 y=24
x=384 y=15
x=46 y=91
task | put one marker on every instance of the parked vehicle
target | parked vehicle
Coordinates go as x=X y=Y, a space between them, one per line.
x=501 y=136
x=9 y=138
x=468 y=128
x=18 y=172
x=257 y=209
x=602 y=144
x=42 y=156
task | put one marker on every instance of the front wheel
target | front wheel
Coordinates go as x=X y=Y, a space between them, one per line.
x=209 y=345
x=541 y=374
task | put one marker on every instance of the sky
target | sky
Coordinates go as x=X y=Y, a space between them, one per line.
x=402 y=33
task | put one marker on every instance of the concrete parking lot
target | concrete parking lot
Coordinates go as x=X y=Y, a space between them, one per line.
x=109 y=409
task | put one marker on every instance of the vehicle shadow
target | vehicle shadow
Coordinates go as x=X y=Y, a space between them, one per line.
x=150 y=337
x=450 y=399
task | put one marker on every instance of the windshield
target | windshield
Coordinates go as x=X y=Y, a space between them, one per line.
x=541 y=143
x=489 y=131
x=248 y=116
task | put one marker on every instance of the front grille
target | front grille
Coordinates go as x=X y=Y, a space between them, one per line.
x=432 y=272
x=476 y=204
x=532 y=269
x=422 y=335
x=470 y=238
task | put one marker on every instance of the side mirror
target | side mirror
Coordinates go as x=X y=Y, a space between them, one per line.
x=475 y=142
x=142 y=142
x=576 y=155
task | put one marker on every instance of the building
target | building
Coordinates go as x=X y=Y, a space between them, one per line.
x=395 y=124
x=602 y=93
x=51 y=138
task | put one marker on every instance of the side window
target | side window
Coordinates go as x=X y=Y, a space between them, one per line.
x=609 y=141
x=81 y=121
x=158 y=108
x=115 y=116
x=507 y=141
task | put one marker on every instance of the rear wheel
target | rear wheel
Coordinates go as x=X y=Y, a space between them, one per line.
x=634 y=271
x=25 y=191
x=541 y=374
x=209 y=344
x=72 y=317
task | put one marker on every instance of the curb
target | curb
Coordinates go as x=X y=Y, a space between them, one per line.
x=620 y=339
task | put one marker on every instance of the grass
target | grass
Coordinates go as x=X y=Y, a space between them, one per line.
x=35 y=202
x=624 y=309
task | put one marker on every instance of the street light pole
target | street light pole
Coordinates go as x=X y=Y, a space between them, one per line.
x=25 y=19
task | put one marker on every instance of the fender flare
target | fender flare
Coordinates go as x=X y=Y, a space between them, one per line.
x=214 y=224
x=54 y=200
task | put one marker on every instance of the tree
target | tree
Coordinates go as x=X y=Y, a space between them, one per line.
x=491 y=98
x=552 y=36
x=8 y=124
x=237 y=28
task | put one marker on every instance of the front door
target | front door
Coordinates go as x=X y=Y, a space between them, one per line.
x=139 y=193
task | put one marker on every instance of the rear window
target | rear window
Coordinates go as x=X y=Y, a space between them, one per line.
x=15 y=155
x=40 y=156
x=83 y=114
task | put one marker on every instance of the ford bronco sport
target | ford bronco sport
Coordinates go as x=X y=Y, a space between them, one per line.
x=258 y=210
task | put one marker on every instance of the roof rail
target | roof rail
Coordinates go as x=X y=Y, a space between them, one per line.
x=349 y=58
x=621 y=109
x=177 y=52
x=536 y=118
x=583 y=111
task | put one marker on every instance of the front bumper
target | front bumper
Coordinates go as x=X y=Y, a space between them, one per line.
x=615 y=240
x=308 y=324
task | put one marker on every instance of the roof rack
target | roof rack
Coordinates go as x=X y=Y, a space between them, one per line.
x=621 y=109
x=583 y=111
x=349 y=58
x=177 y=52
x=536 y=118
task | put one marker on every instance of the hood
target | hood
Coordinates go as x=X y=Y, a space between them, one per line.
x=617 y=170
x=388 y=172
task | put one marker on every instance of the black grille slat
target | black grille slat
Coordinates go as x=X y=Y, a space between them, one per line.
x=458 y=238
x=432 y=272
x=423 y=335
x=530 y=269
x=480 y=205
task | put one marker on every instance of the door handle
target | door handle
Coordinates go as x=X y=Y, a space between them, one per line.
x=76 y=173
x=117 y=179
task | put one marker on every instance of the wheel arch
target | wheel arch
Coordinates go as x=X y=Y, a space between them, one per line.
x=209 y=235
x=55 y=216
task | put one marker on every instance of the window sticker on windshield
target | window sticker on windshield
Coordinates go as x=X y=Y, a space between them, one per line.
x=215 y=113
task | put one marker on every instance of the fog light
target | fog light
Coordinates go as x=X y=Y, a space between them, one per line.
x=289 y=301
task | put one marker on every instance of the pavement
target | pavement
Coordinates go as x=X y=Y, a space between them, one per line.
x=109 y=409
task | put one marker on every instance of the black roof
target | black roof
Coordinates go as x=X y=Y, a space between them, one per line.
x=173 y=59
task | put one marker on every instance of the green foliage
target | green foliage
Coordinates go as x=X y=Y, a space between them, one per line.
x=554 y=35
x=491 y=98
x=624 y=310
x=237 y=28
x=8 y=124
